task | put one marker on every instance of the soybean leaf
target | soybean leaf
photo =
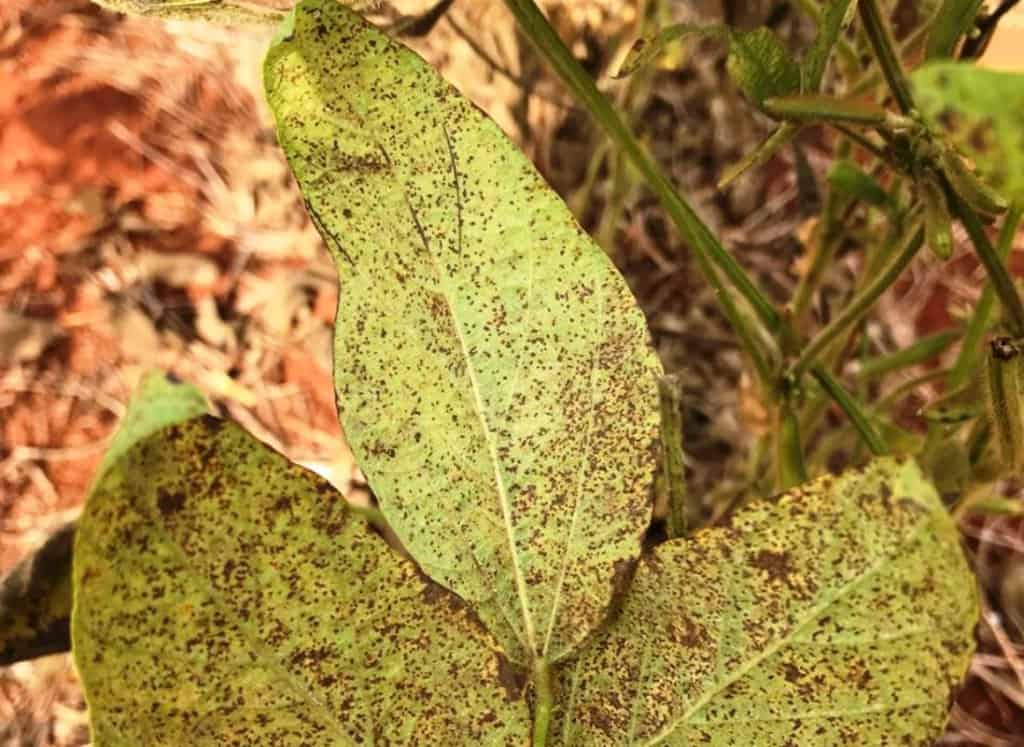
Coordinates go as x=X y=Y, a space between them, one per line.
x=493 y=373
x=983 y=112
x=35 y=598
x=761 y=66
x=954 y=19
x=840 y=614
x=226 y=596
x=836 y=16
x=847 y=178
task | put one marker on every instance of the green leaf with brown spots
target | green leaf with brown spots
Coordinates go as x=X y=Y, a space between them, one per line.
x=493 y=373
x=982 y=111
x=35 y=597
x=226 y=596
x=841 y=614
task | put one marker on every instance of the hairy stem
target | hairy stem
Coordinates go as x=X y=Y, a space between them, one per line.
x=789 y=458
x=543 y=702
x=853 y=411
x=998 y=275
x=924 y=349
x=970 y=351
x=673 y=460
x=885 y=51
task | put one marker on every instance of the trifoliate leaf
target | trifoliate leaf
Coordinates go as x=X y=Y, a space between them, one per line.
x=842 y=614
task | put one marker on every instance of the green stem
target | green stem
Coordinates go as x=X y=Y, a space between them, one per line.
x=970 y=351
x=921 y=351
x=861 y=303
x=673 y=460
x=543 y=702
x=371 y=515
x=853 y=411
x=885 y=51
x=705 y=246
x=789 y=458
x=998 y=275
x=872 y=148
x=817 y=108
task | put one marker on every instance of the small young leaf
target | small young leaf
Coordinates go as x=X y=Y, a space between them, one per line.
x=842 y=614
x=758 y=62
x=848 y=178
x=835 y=17
x=493 y=372
x=983 y=112
x=953 y=20
x=761 y=66
x=226 y=596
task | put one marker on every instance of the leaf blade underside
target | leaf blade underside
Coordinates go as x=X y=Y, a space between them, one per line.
x=227 y=596
x=493 y=373
x=840 y=615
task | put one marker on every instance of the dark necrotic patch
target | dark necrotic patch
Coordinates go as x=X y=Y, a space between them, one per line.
x=169 y=502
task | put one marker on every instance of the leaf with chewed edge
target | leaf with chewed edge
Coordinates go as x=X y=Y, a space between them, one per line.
x=226 y=596
x=493 y=372
x=842 y=614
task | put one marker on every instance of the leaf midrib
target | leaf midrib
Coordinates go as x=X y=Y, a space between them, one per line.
x=480 y=411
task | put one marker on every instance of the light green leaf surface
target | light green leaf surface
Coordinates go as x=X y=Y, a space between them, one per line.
x=983 y=112
x=839 y=616
x=493 y=372
x=227 y=596
x=157 y=402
